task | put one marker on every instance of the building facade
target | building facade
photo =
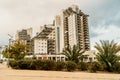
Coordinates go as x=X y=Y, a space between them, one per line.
x=74 y=30
x=25 y=36
x=44 y=42
x=69 y=28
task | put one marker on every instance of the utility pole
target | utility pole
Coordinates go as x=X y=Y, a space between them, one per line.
x=10 y=38
x=0 y=52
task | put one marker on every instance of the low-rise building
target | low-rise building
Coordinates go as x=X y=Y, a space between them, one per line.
x=48 y=57
x=89 y=56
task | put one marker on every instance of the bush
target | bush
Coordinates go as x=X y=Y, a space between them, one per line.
x=26 y=64
x=117 y=67
x=14 y=64
x=33 y=64
x=82 y=66
x=94 y=66
x=45 y=65
x=38 y=64
x=22 y=64
x=71 y=66
x=60 y=65
x=48 y=65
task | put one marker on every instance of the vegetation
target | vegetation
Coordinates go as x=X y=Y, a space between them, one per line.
x=73 y=54
x=107 y=57
x=33 y=64
x=43 y=65
x=60 y=65
x=71 y=66
x=107 y=54
x=82 y=66
x=117 y=67
x=94 y=67
x=16 y=51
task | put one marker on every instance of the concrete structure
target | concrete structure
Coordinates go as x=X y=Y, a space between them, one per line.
x=48 y=57
x=45 y=45
x=69 y=28
x=90 y=56
x=40 y=46
x=58 y=34
x=0 y=52
x=73 y=25
x=44 y=42
x=25 y=36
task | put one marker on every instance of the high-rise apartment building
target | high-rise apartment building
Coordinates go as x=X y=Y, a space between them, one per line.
x=73 y=28
x=69 y=28
x=25 y=36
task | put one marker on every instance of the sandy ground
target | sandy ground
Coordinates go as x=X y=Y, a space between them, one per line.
x=10 y=74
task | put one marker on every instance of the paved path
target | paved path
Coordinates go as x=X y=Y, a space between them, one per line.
x=10 y=74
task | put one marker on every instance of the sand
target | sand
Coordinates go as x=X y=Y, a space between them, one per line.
x=10 y=74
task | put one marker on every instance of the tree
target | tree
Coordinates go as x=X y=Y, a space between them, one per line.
x=73 y=54
x=107 y=54
x=17 y=51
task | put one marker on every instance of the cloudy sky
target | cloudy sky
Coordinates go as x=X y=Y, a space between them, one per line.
x=104 y=20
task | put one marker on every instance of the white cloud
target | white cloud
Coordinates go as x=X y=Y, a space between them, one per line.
x=18 y=14
x=111 y=33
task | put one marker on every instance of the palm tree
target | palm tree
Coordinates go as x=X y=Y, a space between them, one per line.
x=73 y=54
x=107 y=54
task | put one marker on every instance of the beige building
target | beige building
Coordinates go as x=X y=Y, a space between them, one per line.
x=73 y=25
x=69 y=28
x=90 y=56
x=40 y=46
x=44 y=42
x=24 y=34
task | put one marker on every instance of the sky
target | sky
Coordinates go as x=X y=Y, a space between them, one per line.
x=104 y=16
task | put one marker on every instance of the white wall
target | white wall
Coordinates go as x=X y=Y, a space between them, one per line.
x=40 y=46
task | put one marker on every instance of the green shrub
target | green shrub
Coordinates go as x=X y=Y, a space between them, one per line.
x=71 y=66
x=82 y=66
x=22 y=64
x=45 y=65
x=60 y=65
x=48 y=65
x=117 y=67
x=94 y=66
x=14 y=64
x=38 y=64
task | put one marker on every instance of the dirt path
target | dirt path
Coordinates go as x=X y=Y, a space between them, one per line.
x=10 y=74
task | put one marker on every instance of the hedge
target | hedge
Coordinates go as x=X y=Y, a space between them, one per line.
x=33 y=64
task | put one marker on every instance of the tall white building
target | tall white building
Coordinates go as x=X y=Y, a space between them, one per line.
x=69 y=28
x=73 y=28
